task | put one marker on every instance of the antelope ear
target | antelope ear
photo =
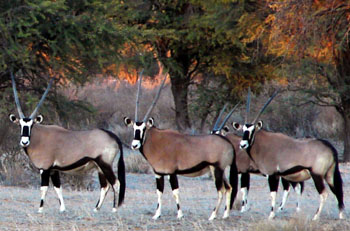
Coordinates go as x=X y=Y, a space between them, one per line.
x=128 y=122
x=14 y=119
x=38 y=119
x=259 y=125
x=236 y=126
x=150 y=122
x=224 y=130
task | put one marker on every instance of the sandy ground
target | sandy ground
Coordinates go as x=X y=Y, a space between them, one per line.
x=198 y=197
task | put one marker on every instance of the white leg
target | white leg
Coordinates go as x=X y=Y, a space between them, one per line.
x=43 y=190
x=273 y=204
x=228 y=201
x=177 y=199
x=103 y=194
x=245 y=206
x=298 y=190
x=60 y=197
x=116 y=188
x=284 y=199
x=158 y=211
x=323 y=198
x=215 y=212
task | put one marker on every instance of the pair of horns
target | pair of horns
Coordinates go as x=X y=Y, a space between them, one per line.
x=262 y=109
x=216 y=127
x=19 y=109
x=154 y=100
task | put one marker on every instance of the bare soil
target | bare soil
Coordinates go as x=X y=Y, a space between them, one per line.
x=198 y=197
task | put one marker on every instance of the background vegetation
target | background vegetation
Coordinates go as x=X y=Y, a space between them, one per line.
x=212 y=51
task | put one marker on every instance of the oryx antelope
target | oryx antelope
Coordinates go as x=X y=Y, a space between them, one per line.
x=296 y=160
x=245 y=165
x=172 y=153
x=52 y=149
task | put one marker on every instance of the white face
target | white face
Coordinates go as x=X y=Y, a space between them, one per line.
x=26 y=130
x=139 y=132
x=248 y=130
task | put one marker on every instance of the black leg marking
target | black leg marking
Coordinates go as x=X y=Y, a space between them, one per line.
x=45 y=177
x=245 y=180
x=219 y=173
x=318 y=180
x=160 y=183
x=55 y=178
x=109 y=175
x=173 y=182
x=273 y=183
x=286 y=184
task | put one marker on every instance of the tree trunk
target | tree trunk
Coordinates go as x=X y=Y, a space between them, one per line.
x=179 y=88
x=345 y=113
x=346 y=155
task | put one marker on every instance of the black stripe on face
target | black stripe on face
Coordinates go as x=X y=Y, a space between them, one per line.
x=25 y=131
x=245 y=135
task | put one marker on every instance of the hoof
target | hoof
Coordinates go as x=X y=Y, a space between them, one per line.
x=272 y=216
x=40 y=210
x=156 y=216
x=341 y=216
x=96 y=210
x=180 y=215
x=114 y=210
x=316 y=217
x=212 y=217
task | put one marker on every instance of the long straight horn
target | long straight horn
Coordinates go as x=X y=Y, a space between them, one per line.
x=138 y=96
x=41 y=100
x=264 y=107
x=19 y=109
x=228 y=116
x=155 y=100
x=219 y=117
x=248 y=106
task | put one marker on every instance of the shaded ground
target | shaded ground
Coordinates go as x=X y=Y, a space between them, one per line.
x=198 y=196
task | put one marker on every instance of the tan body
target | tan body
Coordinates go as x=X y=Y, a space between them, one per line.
x=50 y=145
x=297 y=160
x=308 y=153
x=184 y=152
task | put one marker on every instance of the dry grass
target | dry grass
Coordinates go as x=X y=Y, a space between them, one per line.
x=198 y=197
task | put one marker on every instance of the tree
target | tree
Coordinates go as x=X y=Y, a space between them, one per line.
x=69 y=39
x=199 y=38
x=313 y=38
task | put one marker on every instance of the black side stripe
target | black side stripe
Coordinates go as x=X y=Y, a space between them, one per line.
x=194 y=169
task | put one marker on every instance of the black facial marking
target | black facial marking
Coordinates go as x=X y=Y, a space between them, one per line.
x=26 y=119
x=25 y=131
x=138 y=123
x=245 y=135
x=137 y=135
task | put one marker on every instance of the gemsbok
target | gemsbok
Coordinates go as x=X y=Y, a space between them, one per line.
x=53 y=149
x=296 y=160
x=245 y=165
x=172 y=153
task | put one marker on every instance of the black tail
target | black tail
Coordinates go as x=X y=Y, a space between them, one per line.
x=233 y=180
x=337 y=188
x=121 y=168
